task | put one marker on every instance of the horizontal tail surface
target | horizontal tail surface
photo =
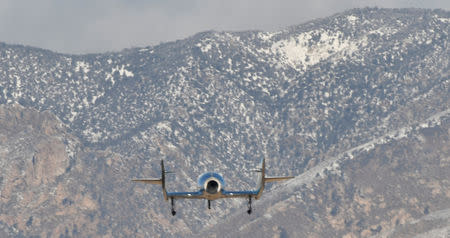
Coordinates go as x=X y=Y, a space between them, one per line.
x=148 y=181
x=161 y=181
x=265 y=179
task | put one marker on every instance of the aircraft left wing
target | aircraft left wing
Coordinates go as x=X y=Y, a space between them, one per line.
x=188 y=195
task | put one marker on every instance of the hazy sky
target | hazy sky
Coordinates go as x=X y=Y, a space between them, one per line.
x=92 y=26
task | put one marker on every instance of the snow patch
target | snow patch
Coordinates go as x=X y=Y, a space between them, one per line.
x=85 y=102
x=93 y=136
x=444 y=20
x=73 y=114
x=164 y=126
x=352 y=19
x=310 y=48
x=122 y=71
x=82 y=66
x=382 y=31
x=204 y=48
x=94 y=98
x=171 y=146
x=266 y=36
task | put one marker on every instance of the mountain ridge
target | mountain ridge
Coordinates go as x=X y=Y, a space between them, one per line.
x=219 y=101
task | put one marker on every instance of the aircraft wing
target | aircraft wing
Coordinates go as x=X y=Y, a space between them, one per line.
x=237 y=194
x=201 y=195
x=188 y=195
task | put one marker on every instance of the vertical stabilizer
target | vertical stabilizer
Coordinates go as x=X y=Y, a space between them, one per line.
x=163 y=180
x=264 y=179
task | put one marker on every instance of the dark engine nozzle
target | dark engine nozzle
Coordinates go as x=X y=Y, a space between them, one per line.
x=212 y=187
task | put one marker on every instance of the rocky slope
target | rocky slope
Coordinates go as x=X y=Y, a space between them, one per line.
x=395 y=189
x=338 y=101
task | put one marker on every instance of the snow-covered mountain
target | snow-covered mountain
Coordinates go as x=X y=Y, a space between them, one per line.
x=310 y=98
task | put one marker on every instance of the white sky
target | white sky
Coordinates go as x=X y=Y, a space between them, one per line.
x=93 y=26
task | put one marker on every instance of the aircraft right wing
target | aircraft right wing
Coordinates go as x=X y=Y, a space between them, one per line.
x=239 y=194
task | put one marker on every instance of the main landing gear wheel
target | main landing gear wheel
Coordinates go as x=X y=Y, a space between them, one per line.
x=249 y=211
x=173 y=206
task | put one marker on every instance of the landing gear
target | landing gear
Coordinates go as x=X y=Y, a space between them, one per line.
x=249 y=211
x=172 y=202
x=209 y=204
